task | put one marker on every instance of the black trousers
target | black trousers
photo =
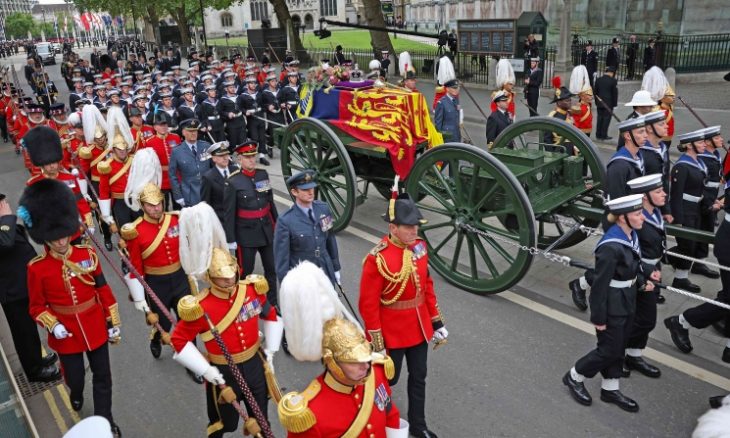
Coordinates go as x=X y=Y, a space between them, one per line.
x=608 y=356
x=218 y=135
x=644 y=319
x=532 y=97
x=705 y=314
x=257 y=133
x=248 y=262
x=686 y=247
x=236 y=132
x=224 y=418
x=123 y=214
x=602 y=124
x=169 y=288
x=707 y=223
x=630 y=62
x=417 y=358
x=4 y=128
x=276 y=118
x=75 y=377
x=105 y=231
x=24 y=332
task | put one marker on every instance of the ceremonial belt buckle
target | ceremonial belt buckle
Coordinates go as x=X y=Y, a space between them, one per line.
x=244 y=356
x=317 y=252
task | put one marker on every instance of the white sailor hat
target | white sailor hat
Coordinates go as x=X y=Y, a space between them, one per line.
x=139 y=97
x=251 y=80
x=210 y=87
x=165 y=95
x=206 y=77
x=77 y=79
x=229 y=84
x=186 y=91
x=641 y=98
x=631 y=124
x=655 y=117
x=712 y=131
x=645 y=184
x=690 y=137
x=625 y=204
x=88 y=84
x=113 y=92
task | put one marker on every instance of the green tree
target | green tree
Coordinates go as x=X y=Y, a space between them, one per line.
x=374 y=17
x=18 y=24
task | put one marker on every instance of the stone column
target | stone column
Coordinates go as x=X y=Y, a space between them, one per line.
x=563 y=63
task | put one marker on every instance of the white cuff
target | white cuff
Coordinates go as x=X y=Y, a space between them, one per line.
x=273 y=332
x=191 y=358
x=105 y=205
x=135 y=288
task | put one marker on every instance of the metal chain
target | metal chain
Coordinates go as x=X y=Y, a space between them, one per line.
x=565 y=260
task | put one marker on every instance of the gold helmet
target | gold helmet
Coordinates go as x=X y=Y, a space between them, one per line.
x=669 y=91
x=119 y=142
x=151 y=194
x=222 y=264
x=342 y=341
x=99 y=132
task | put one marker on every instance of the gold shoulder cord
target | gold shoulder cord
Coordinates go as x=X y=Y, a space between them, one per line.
x=397 y=280
x=80 y=272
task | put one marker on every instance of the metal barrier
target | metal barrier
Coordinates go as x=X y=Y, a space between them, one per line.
x=15 y=420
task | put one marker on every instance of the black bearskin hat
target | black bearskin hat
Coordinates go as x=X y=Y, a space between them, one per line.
x=49 y=210
x=43 y=146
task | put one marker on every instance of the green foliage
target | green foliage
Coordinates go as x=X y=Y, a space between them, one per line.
x=18 y=24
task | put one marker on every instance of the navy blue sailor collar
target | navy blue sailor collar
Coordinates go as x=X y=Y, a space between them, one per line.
x=616 y=235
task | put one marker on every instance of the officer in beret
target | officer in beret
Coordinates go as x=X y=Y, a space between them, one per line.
x=187 y=165
x=304 y=232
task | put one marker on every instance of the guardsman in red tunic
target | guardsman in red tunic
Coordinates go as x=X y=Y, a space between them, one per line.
x=140 y=132
x=114 y=172
x=505 y=83
x=44 y=149
x=235 y=308
x=59 y=122
x=5 y=100
x=17 y=120
x=36 y=117
x=69 y=295
x=667 y=104
x=153 y=244
x=398 y=303
x=445 y=73
x=582 y=114
x=163 y=143
x=352 y=398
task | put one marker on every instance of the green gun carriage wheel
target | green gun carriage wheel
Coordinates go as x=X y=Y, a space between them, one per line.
x=461 y=189
x=310 y=144
x=554 y=216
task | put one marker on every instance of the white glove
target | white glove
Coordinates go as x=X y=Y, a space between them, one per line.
x=114 y=332
x=180 y=202
x=232 y=246
x=92 y=230
x=440 y=334
x=60 y=332
x=88 y=197
x=108 y=220
x=83 y=185
x=249 y=112
x=270 y=359
x=214 y=376
x=142 y=306
x=136 y=290
x=338 y=278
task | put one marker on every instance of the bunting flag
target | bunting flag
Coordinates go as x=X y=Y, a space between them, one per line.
x=394 y=119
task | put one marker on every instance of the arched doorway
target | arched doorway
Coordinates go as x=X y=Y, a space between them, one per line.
x=296 y=21
x=309 y=21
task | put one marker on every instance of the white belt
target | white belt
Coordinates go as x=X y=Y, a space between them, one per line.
x=712 y=184
x=214 y=117
x=620 y=284
x=727 y=217
x=690 y=198
x=651 y=261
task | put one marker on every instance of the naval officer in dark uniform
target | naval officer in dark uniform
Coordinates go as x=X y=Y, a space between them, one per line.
x=710 y=205
x=499 y=119
x=618 y=277
x=211 y=189
x=250 y=215
x=304 y=232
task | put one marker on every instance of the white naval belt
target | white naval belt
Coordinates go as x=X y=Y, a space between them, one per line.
x=214 y=117
x=690 y=198
x=651 y=261
x=727 y=217
x=620 y=284
x=712 y=184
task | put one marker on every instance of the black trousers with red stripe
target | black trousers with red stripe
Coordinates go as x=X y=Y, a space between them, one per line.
x=247 y=260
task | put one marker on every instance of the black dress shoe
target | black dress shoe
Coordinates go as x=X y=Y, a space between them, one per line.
x=577 y=390
x=640 y=365
x=270 y=151
x=116 y=431
x=578 y=294
x=49 y=373
x=285 y=345
x=680 y=335
x=423 y=434
x=716 y=401
x=607 y=138
x=49 y=359
x=196 y=378
x=702 y=269
x=726 y=355
x=660 y=299
x=625 y=372
x=684 y=283
x=264 y=161
x=156 y=348
x=108 y=245
x=620 y=400
x=77 y=404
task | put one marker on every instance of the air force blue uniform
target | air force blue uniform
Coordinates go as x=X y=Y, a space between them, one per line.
x=186 y=172
x=447 y=117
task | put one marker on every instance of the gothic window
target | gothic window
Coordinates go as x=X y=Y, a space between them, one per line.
x=328 y=7
x=226 y=19
x=259 y=10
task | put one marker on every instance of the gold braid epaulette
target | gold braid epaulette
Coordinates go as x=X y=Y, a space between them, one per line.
x=397 y=280
x=81 y=273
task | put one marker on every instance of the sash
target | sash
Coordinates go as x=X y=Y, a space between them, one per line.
x=158 y=238
x=363 y=415
x=121 y=172
x=230 y=316
x=100 y=157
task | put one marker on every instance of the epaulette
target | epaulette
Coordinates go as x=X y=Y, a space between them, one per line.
x=235 y=172
x=189 y=309
x=379 y=247
x=85 y=152
x=173 y=212
x=439 y=89
x=37 y=258
x=105 y=167
x=294 y=412
x=32 y=178
x=259 y=283
x=552 y=113
x=387 y=363
x=129 y=230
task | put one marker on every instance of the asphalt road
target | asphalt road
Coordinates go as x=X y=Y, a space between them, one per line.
x=499 y=376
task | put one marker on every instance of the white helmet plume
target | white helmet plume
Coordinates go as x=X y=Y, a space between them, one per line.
x=145 y=169
x=446 y=70
x=505 y=73
x=404 y=63
x=115 y=120
x=579 y=79
x=200 y=232
x=91 y=118
x=655 y=83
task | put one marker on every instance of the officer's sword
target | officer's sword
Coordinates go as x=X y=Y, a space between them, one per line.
x=691 y=110
x=347 y=300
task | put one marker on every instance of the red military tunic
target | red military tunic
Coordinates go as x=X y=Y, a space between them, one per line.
x=439 y=93
x=510 y=105
x=163 y=148
x=72 y=149
x=22 y=128
x=583 y=117
x=154 y=247
x=335 y=406
x=141 y=135
x=90 y=156
x=74 y=294
x=669 y=112
x=407 y=320
x=72 y=183
x=113 y=175
x=64 y=134
x=240 y=330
